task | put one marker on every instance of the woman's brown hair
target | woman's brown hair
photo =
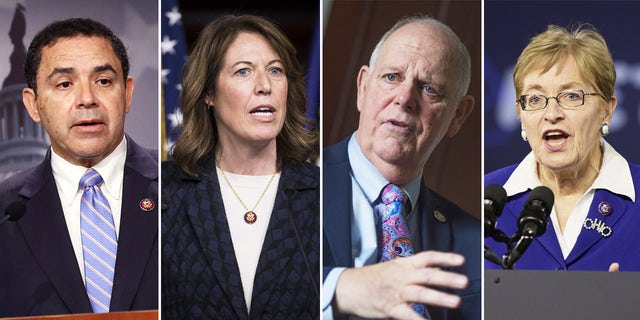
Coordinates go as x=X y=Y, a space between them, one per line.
x=298 y=140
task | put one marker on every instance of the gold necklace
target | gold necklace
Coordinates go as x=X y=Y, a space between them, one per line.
x=250 y=217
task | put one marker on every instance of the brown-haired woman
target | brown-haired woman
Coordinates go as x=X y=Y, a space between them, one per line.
x=240 y=221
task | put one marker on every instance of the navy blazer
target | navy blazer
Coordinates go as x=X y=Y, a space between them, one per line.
x=200 y=275
x=459 y=233
x=593 y=250
x=39 y=272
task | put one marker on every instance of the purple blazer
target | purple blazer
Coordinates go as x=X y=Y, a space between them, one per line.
x=603 y=239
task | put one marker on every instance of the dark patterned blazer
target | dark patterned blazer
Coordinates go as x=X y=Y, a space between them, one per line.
x=38 y=268
x=459 y=233
x=200 y=275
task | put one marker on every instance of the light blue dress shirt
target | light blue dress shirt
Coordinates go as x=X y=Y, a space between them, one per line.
x=366 y=184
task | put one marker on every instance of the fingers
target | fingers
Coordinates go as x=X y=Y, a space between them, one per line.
x=389 y=289
x=436 y=259
x=434 y=277
x=425 y=269
x=614 y=267
x=430 y=297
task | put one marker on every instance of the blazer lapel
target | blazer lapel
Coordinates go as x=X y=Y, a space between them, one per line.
x=589 y=237
x=44 y=229
x=280 y=244
x=138 y=237
x=549 y=242
x=337 y=207
x=436 y=235
x=212 y=230
x=275 y=252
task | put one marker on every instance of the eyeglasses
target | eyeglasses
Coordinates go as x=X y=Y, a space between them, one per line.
x=566 y=99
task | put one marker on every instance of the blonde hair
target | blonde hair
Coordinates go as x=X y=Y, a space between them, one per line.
x=556 y=44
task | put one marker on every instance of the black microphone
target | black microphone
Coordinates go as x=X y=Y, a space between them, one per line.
x=533 y=219
x=532 y=222
x=290 y=190
x=494 y=199
x=14 y=211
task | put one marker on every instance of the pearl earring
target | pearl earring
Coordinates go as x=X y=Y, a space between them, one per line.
x=604 y=129
x=523 y=134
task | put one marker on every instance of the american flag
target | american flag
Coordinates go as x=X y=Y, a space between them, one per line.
x=313 y=77
x=174 y=54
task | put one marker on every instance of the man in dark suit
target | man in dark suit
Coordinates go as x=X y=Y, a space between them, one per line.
x=79 y=89
x=411 y=95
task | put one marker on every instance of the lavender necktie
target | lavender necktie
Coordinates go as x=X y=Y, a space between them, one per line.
x=99 y=243
x=396 y=239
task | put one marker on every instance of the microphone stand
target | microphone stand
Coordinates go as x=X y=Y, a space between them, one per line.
x=500 y=236
x=491 y=256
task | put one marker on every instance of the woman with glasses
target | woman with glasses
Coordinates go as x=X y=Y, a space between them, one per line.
x=588 y=218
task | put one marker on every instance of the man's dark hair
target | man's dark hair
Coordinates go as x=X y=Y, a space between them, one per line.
x=70 y=28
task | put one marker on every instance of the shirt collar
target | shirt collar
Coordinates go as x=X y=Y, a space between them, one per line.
x=614 y=175
x=369 y=178
x=111 y=168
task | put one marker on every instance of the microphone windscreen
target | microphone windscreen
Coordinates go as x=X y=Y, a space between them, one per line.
x=533 y=219
x=543 y=196
x=497 y=195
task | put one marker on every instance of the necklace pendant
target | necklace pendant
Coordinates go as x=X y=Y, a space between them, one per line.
x=250 y=217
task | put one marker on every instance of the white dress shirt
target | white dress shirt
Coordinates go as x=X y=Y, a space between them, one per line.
x=67 y=177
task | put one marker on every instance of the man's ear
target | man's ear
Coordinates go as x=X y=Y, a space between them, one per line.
x=129 y=93
x=29 y=100
x=465 y=106
x=363 y=76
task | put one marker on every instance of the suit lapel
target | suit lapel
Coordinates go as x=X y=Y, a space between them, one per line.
x=280 y=243
x=549 y=242
x=138 y=235
x=212 y=230
x=436 y=235
x=337 y=206
x=44 y=229
x=276 y=250
x=588 y=238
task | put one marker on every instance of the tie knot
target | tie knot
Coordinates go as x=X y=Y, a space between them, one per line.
x=391 y=193
x=90 y=179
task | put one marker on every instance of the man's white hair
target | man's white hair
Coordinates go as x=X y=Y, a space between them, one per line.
x=463 y=60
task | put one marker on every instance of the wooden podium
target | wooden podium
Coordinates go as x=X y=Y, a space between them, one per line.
x=129 y=315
